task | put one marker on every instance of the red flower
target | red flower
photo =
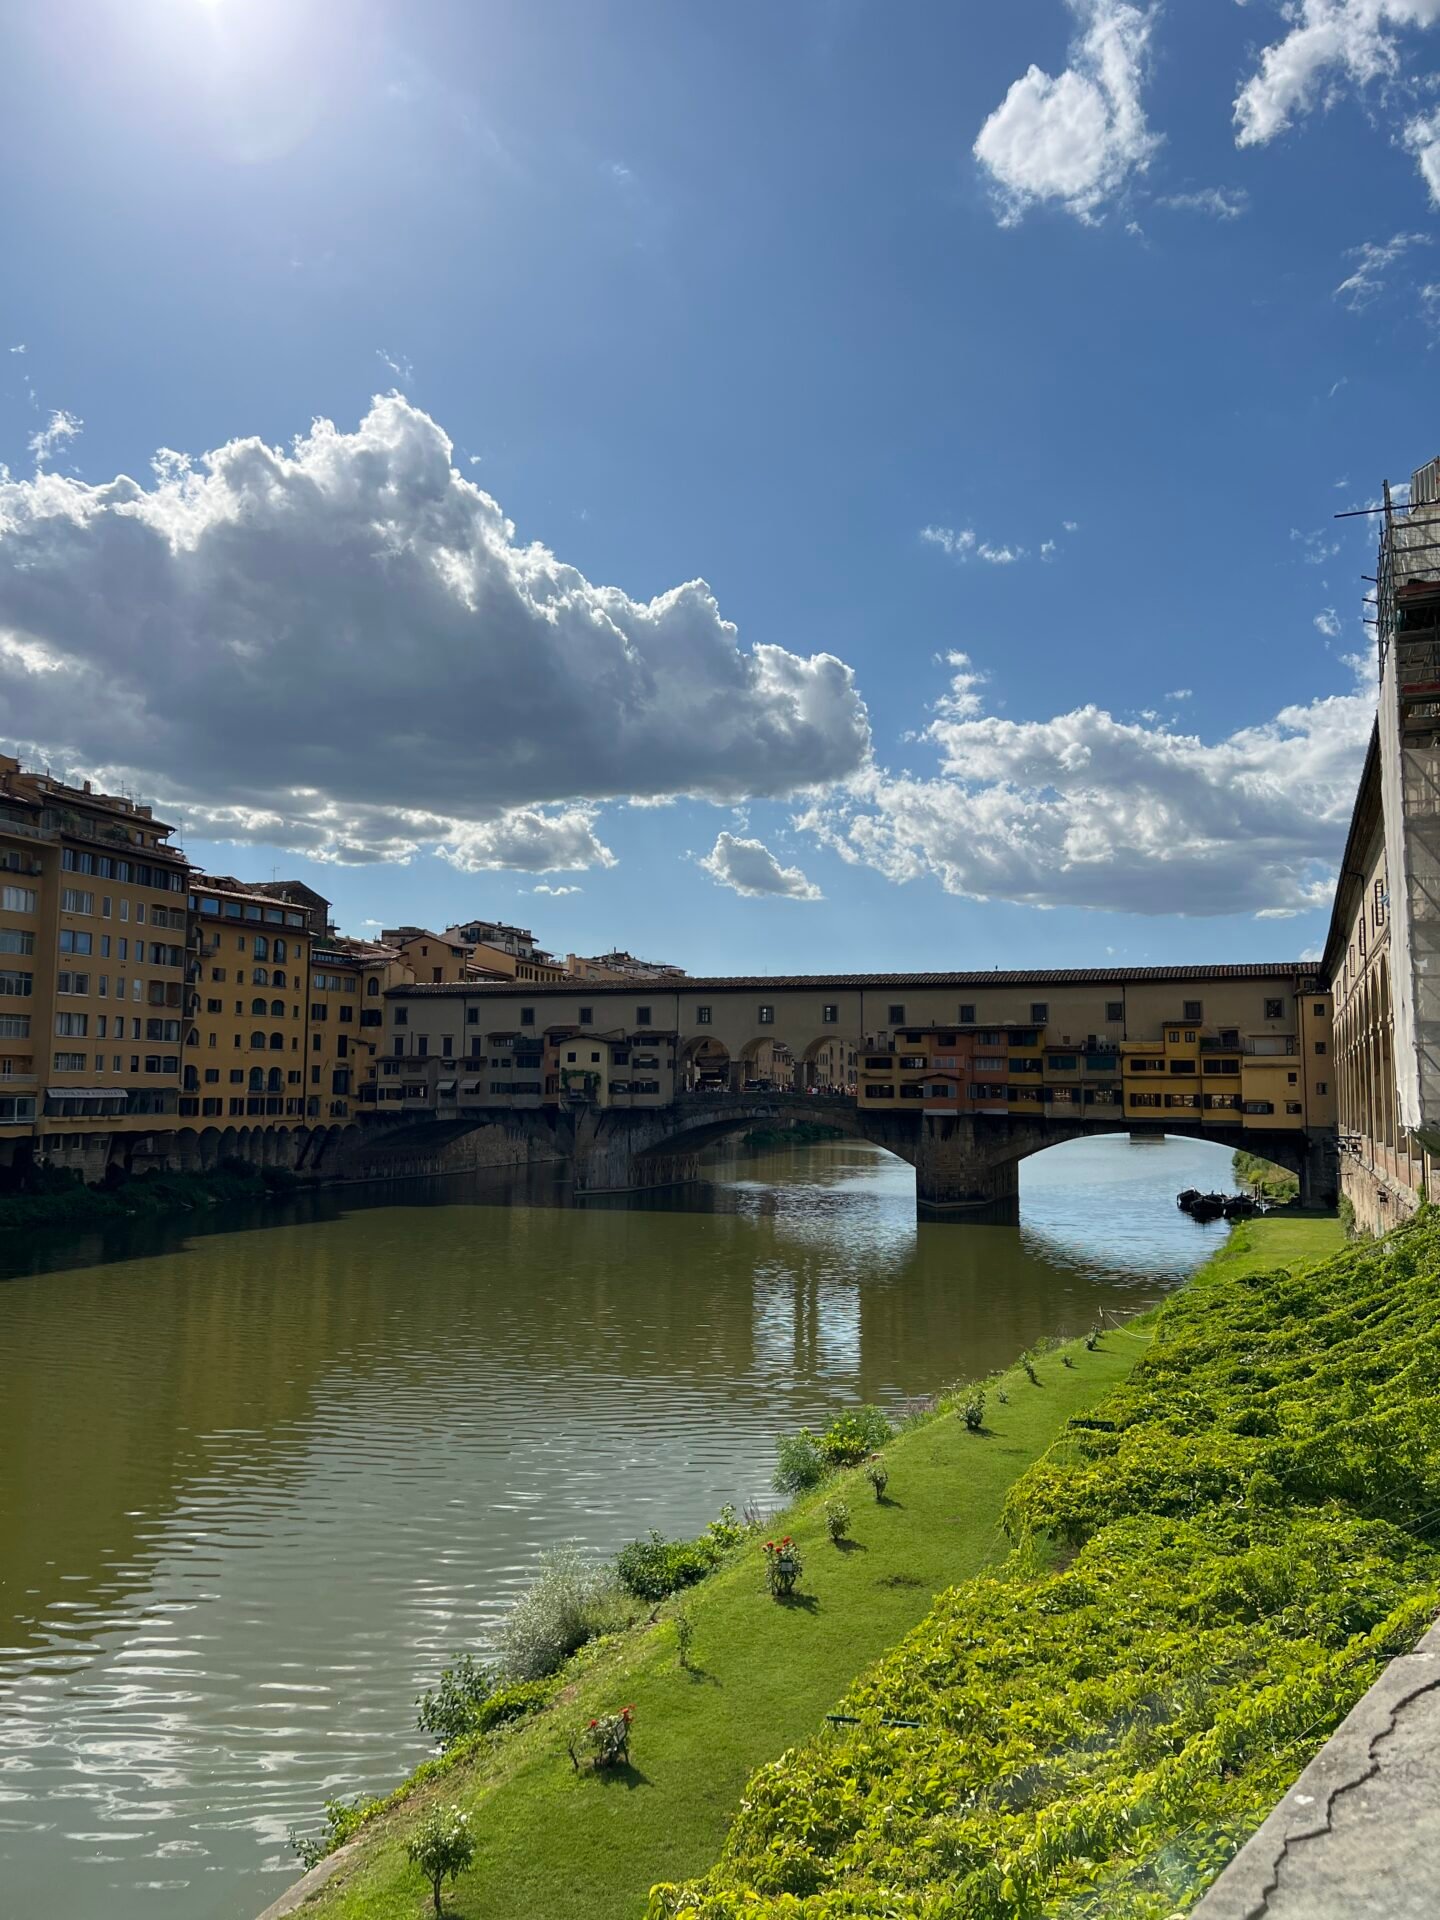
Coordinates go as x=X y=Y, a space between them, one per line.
x=594 y=1723
x=769 y=1546
x=627 y=1711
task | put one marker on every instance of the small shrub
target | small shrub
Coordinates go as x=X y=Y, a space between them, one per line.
x=653 y=1568
x=1066 y=1361
x=837 y=1520
x=783 y=1566
x=605 y=1742
x=442 y=1847
x=725 y=1530
x=514 y=1702
x=974 y=1410
x=684 y=1636
x=799 y=1463
x=1092 y=1339
x=1002 y=1396
x=846 y=1441
x=1030 y=1374
x=452 y=1707
x=342 y=1819
x=879 y=1479
x=553 y=1617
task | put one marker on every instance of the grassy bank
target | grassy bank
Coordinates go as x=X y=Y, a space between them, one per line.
x=558 y=1844
x=62 y=1200
x=804 y=1133
x=1208 y=1574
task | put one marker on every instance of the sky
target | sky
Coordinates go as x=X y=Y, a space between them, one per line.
x=776 y=488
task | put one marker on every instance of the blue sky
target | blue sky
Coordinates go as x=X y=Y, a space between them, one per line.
x=1000 y=370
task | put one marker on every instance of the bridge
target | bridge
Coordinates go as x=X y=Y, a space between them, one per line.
x=961 y=1075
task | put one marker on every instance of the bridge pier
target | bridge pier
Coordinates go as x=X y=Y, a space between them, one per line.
x=960 y=1170
x=1320 y=1170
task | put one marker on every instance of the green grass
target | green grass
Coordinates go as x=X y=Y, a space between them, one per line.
x=555 y=1844
x=1278 y=1240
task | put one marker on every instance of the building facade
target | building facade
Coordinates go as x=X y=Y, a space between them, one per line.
x=92 y=975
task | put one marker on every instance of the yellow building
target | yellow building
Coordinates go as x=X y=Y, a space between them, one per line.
x=92 y=955
x=245 y=1046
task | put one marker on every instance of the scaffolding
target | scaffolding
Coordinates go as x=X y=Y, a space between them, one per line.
x=1408 y=631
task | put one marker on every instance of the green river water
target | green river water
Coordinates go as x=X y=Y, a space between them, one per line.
x=257 y=1481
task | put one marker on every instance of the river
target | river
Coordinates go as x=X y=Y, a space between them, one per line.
x=257 y=1481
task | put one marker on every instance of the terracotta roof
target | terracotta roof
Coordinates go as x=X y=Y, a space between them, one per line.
x=819 y=982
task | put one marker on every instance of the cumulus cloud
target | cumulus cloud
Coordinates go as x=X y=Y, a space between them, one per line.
x=1331 y=44
x=556 y=893
x=60 y=427
x=1075 y=140
x=1422 y=138
x=343 y=649
x=1085 y=810
x=1328 y=622
x=749 y=867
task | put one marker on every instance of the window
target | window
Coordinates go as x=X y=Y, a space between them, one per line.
x=702 y=1016
x=69 y=1063
x=18 y=899
x=72 y=983
x=1319 y=1046
x=72 y=942
x=257 y=1043
x=1145 y=1099
x=1040 y=1012
x=527 y=1016
x=1115 y=1012
x=642 y=1016
x=16 y=986
x=402 y=1016
x=1292 y=1106
x=14 y=1026
x=73 y=900
x=16 y=940
x=1274 y=1009
x=104 y=946
x=766 y=1016
x=1182 y=1066
x=1379 y=903
x=587 y=1016
x=14 y=1107
x=879 y=1091
x=1192 y=1010
x=422 y=1044
x=73 y=1026
x=447 y=1046
x=830 y=1016
x=1322 y=1086
x=895 y=1016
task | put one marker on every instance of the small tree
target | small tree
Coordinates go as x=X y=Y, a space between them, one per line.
x=876 y=1474
x=837 y=1520
x=442 y=1846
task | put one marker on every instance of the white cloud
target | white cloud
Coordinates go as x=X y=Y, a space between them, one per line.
x=61 y=426
x=1071 y=526
x=1085 y=810
x=1181 y=693
x=1328 y=623
x=1221 y=203
x=749 y=867
x=399 y=364
x=964 y=544
x=1075 y=140
x=343 y=650
x=1330 y=43
x=1373 y=261
x=1422 y=138
x=1316 y=548
x=556 y=893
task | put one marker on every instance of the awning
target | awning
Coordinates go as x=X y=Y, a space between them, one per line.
x=86 y=1093
x=446 y=1086
x=469 y=1086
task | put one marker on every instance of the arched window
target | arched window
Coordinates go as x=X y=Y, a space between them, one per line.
x=262 y=947
x=260 y=977
x=372 y=986
x=280 y=953
x=257 y=1080
x=277 y=978
x=277 y=1043
x=277 y=1007
x=277 y=1081
x=257 y=1043
x=258 y=1006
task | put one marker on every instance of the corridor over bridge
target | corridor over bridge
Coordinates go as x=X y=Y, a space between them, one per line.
x=962 y=1074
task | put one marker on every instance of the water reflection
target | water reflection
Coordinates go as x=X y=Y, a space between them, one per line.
x=258 y=1481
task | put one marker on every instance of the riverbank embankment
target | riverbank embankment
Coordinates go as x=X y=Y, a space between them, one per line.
x=1215 y=1551
x=762 y=1674
x=64 y=1201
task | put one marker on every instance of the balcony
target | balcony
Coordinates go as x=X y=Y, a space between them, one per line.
x=18 y=1079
